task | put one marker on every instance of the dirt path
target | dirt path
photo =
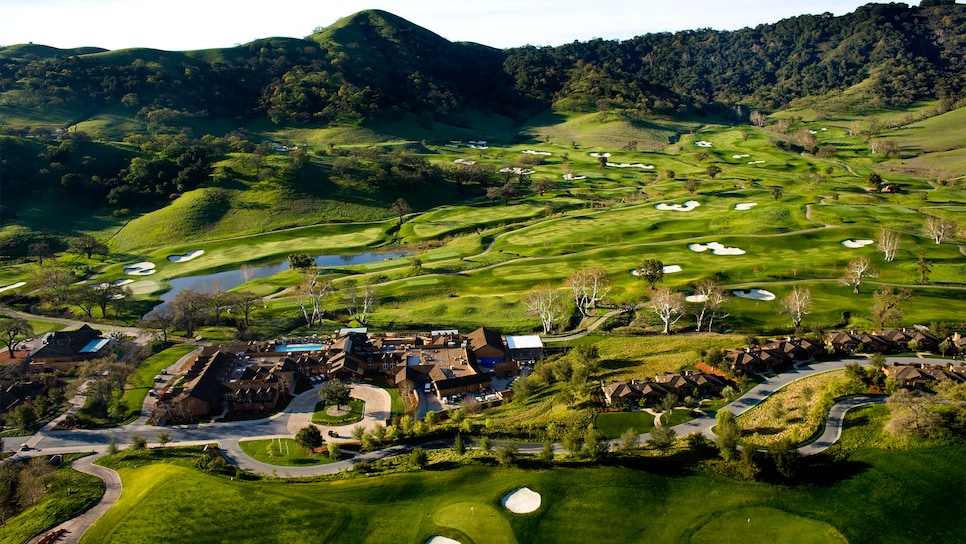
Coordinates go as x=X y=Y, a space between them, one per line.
x=75 y=528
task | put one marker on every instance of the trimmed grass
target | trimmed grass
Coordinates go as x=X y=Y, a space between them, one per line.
x=614 y=424
x=56 y=506
x=865 y=500
x=677 y=416
x=142 y=380
x=356 y=410
x=763 y=525
x=292 y=454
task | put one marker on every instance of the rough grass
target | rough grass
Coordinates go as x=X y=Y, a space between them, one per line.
x=787 y=414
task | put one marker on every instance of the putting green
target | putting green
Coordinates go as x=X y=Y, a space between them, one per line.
x=480 y=522
x=765 y=525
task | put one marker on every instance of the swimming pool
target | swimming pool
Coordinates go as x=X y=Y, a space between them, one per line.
x=299 y=347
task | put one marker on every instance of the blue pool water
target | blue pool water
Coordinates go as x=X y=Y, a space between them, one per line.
x=299 y=347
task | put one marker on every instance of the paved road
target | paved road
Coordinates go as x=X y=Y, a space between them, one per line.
x=76 y=527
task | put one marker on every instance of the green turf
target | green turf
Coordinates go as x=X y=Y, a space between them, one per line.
x=614 y=424
x=291 y=453
x=142 y=380
x=356 y=410
x=765 y=525
x=866 y=500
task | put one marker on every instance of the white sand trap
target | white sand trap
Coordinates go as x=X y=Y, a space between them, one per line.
x=812 y=132
x=522 y=501
x=669 y=269
x=757 y=294
x=466 y=162
x=454 y=146
x=478 y=142
x=144 y=268
x=852 y=243
x=532 y=152
x=702 y=143
x=686 y=207
x=595 y=154
x=696 y=298
x=824 y=129
x=756 y=162
x=517 y=170
x=442 y=540
x=125 y=281
x=13 y=286
x=716 y=248
x=745 y=206
x=193 y=254
x=571 y=177
x=742 y=156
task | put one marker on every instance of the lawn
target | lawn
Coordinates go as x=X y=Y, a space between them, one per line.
x=864 y=500
x=291 y=453
x=142 y=380
x=676 y=416
x=356 y=410
x=614 y=424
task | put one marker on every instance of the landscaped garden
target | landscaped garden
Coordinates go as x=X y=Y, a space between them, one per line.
x=284 y=452
x=333 y=414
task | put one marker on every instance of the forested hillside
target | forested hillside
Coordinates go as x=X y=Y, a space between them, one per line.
x=157 y=124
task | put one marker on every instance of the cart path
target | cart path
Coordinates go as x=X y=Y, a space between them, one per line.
x=75 y=528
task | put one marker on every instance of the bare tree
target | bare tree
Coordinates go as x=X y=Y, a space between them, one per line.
x=911 y=414
x=546 y=302
x=53 y=281
x=161 y=318
x=589 y=286
x=806 y=140
x=668 y=305
x=711 y=297
x=189 y=307
x=857 y=270
x=314 y=289
x=758 y=118
x=937 y=227
x=359 y=301
x=889 y=243
x=246 y=302
x=797 y=305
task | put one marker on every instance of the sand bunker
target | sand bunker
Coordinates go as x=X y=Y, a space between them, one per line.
x=756 y=162
x=466 y=162
x=442 y=540
x=125 y=281
x=686 y=207
x=716 y=248
x=696 y=298
x=605 y=155
x=517 y=170
x=532 y=152
x=571 y=177
x=852 y=243
x=193 y=254
x=145 y=268
x=702 y=143
x=745 y=206
x=522 y=501
x=669 y=269
x=13 y=286
x=742 y=156
x=757 y=294
x=627 y=165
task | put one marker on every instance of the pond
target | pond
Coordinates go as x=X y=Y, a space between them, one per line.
x=223 y=281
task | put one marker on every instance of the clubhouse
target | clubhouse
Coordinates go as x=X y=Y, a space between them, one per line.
x=244 y=380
